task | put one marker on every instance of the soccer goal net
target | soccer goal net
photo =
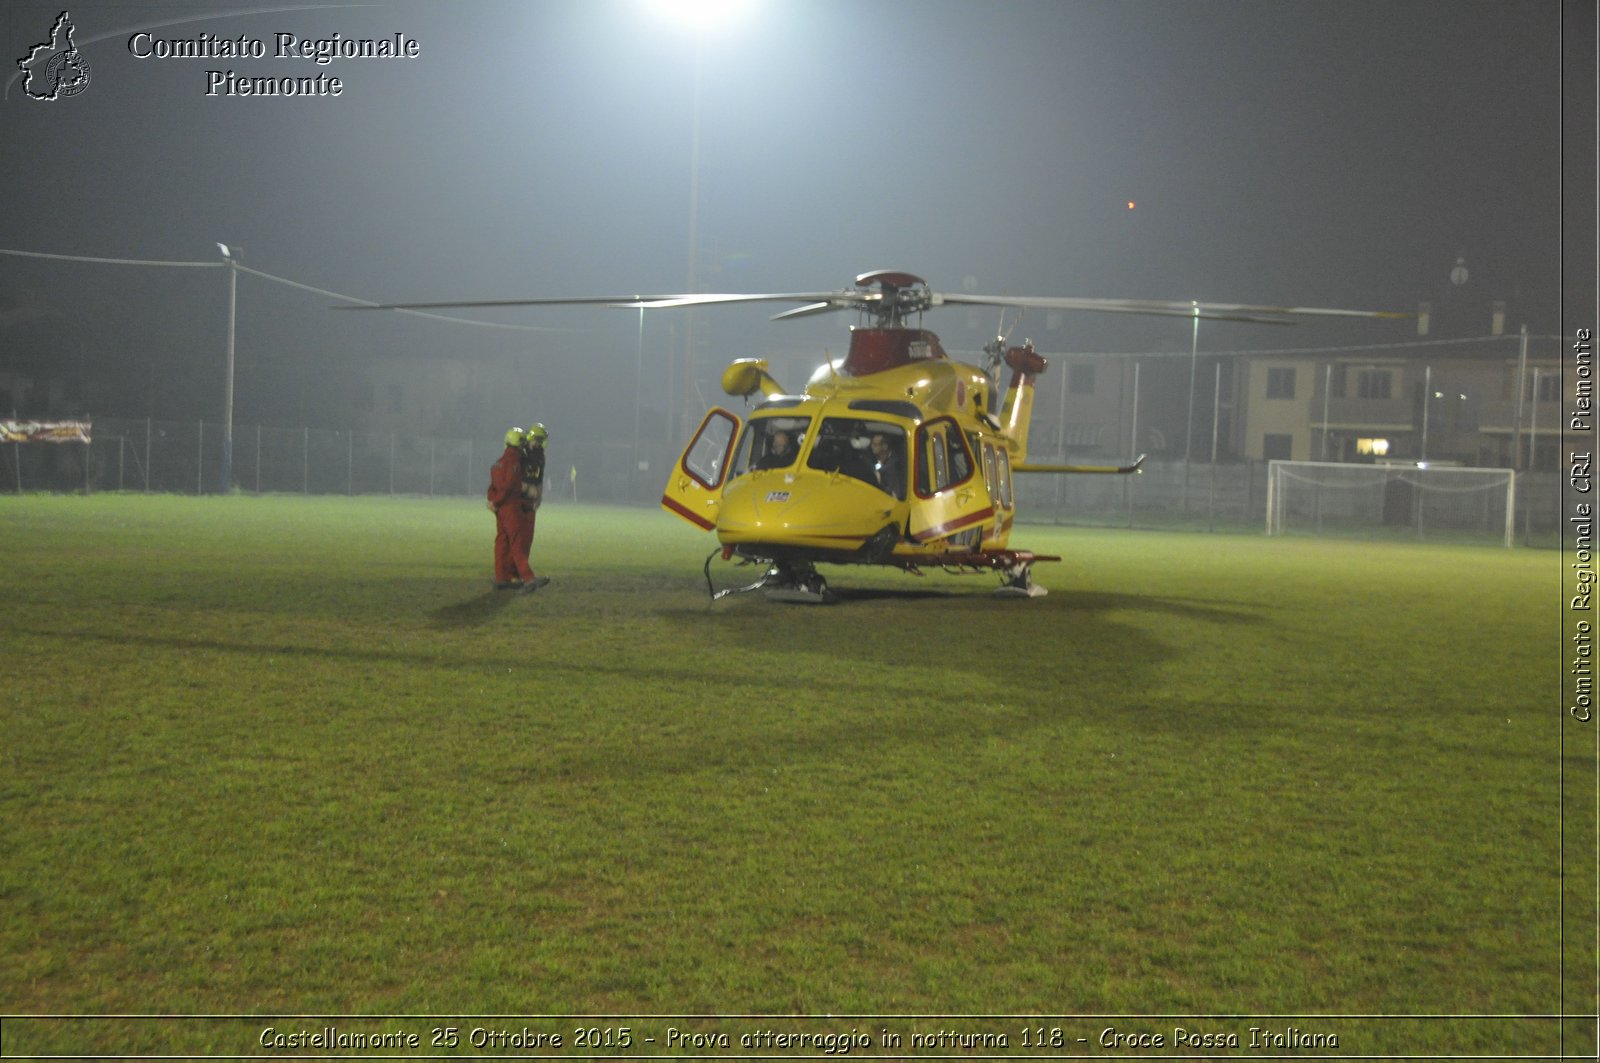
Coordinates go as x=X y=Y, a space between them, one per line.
x=1443 y=502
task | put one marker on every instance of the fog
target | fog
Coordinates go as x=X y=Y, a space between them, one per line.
x=1288 y=152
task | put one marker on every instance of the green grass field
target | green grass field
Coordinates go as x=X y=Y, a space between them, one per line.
x=283 y=755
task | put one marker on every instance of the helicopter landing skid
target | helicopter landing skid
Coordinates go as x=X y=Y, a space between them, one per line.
x=1018 y=582
x=783 y=582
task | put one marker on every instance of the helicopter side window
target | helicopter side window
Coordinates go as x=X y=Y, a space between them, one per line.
x=930 y=461
x=770 y=443
x=942 y=458
x=705 y=458
x=991 y=473
x=960 y=460
x=1003 y=459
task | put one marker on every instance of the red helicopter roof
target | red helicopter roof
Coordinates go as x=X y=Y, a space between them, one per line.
x=872 y=350
x=892 y=277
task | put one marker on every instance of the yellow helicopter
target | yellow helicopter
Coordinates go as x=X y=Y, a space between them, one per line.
x=895 y=455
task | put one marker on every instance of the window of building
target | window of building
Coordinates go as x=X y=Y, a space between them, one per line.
x=1277 y=446
x=1080 y=379
x=1374 y=384
x=1280 y=382
x=1549 y=387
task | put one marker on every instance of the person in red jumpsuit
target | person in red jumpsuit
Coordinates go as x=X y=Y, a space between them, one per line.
x=533 y=441
x=513 y=513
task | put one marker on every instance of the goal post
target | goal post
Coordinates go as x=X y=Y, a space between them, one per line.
x=1442 y=502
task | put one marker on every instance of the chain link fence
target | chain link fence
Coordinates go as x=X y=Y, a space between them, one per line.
x=188 y=458
x=178 y=457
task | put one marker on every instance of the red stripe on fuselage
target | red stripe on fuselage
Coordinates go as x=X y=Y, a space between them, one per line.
x=687 y=514
x=956 y=525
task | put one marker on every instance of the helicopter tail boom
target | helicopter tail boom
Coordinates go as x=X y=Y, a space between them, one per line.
x=1015 y=416
x=1113 y=470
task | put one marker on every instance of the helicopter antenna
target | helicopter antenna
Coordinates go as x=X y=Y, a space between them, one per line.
x=1021 y=313
x=994 y=351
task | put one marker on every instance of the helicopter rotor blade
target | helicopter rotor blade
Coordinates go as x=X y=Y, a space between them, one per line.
x=645 y=302
x=892 y=297
x=1270 y=315
x=809 y=310
x=658 y=302
x=478 y=304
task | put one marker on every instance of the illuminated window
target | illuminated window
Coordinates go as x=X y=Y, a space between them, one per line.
x=1375 y=448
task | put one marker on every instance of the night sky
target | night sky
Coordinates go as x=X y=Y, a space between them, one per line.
x=1328 y=153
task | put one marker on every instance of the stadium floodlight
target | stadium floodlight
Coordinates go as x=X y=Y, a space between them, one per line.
x=701 y=14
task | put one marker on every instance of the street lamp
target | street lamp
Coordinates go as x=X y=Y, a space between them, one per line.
x=227 y=402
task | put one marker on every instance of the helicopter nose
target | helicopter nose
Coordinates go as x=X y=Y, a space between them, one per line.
x=802 y=507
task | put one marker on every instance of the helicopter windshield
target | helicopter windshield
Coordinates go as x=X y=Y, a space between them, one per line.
x=770 y=443
x=871 y=451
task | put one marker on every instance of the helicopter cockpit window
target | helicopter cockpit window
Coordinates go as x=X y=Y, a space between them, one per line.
x=873 y=452
x=770 y=443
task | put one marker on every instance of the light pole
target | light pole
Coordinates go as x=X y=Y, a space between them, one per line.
x=694 y=237
x=701 y=18
x=1194 y=362
x=227 y=401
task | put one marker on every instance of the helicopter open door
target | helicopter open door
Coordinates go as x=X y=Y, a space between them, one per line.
x=696 y=485
x=950 y=500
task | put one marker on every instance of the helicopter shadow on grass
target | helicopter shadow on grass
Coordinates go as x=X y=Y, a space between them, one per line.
x=1081 y=602
x=928 y=667
x=889 y=626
